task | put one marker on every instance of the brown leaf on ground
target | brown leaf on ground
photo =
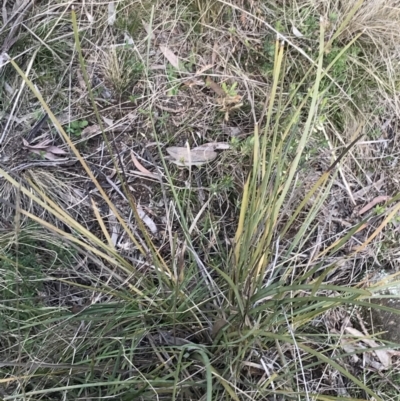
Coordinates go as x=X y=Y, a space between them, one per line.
x=296 y=32
x=374 y=202
x=47 y=155
x=44 y=149
x=91 y=131
x=190 y=157
x=183 y=156
x=109 y=122
x=363 y=191
x=384 y=355
x=55 y=150
x=148 y=30
x=142 y=169
x=41 y=145
x=215 y=87
x=170 y=56
x=147 y=220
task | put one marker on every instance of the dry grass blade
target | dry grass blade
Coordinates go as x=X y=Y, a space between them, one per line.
x=379 y=229
x=101 y=223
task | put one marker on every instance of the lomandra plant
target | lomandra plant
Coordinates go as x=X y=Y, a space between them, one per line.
x=245 y=325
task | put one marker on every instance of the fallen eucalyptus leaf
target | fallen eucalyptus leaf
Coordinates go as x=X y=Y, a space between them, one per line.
x=296 y=32
x=183 y=156
x=89 y=17
x=90 y=131
x=215 y=87
x=56 y=150
x=141 y=168
x=109 y=122
x=170 y=56
x=47 y=155
x=44 y=149
x=41 y=145
x=384 y=355
x=147 y=220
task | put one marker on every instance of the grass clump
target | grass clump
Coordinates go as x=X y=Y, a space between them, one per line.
x=126 y=277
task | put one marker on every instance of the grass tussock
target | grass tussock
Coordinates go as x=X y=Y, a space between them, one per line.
x=255 y=274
